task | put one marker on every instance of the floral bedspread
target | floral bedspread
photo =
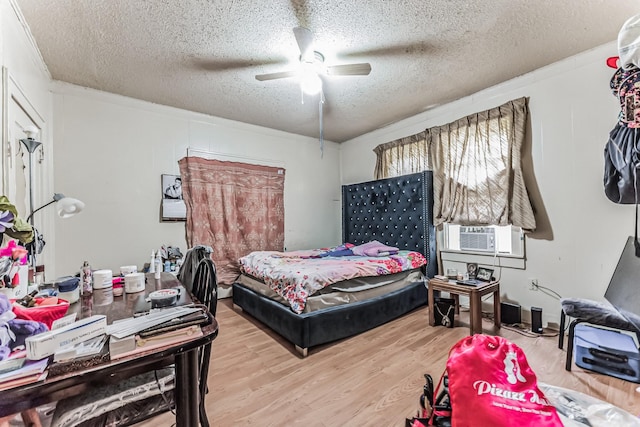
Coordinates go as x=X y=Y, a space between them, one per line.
x=295 y=275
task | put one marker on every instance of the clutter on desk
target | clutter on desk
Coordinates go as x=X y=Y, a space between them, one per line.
x=168 y=259
x=102 y=279
x=134 y=282
x=30 y=371
x=164 y=298
x=34 y=332
x=14 y=368
x=41 y=309
x=118 y=289
x=81 y=349
x=128 y=269
x=47 y=343
x=80 y=362
x=157 y=329
x=64 y=321
x=86 y=278
x=68 y=288
x=133 y=325
x=106 y=285
x=196 y=318
x=14 y=271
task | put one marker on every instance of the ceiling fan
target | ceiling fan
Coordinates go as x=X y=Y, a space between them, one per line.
x=312 y=66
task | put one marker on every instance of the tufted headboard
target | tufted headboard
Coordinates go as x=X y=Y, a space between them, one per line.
x=395 y=211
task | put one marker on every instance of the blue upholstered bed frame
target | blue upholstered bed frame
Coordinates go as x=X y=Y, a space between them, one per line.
x=395 y=211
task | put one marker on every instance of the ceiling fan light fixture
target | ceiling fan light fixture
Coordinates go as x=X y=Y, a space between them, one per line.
x=310 y=82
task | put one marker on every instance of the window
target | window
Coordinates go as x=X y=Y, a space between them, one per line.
x=477 y=179
x=476 y=163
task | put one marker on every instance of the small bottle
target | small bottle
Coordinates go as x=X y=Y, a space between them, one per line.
x=158 y=266
x=86 y=278
x=152 y=264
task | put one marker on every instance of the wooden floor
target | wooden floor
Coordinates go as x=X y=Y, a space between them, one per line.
x=373 y=379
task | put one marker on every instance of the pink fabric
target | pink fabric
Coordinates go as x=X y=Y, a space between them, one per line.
x=374 y=248
x=235 y=208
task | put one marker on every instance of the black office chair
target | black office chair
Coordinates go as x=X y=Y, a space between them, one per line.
x=205 y=290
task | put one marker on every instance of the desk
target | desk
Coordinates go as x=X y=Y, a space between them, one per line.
x=475 y=294
x=183 y=355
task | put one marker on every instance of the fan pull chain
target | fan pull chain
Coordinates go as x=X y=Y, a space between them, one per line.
x=320 y=104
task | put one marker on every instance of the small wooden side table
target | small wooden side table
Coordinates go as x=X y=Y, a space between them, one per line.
x=475 y=293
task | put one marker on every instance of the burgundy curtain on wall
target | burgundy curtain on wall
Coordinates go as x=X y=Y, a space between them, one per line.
x=233 y=207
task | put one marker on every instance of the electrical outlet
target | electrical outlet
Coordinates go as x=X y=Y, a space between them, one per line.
x=533 y=284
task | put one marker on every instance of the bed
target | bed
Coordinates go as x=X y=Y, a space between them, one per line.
x=396 y=212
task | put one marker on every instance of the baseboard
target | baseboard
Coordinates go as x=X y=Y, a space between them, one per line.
x=225 y=291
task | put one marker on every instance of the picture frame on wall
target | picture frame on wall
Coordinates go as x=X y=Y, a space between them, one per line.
x=173 y=207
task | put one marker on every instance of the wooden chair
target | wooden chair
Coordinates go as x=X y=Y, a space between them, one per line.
x=205 y=290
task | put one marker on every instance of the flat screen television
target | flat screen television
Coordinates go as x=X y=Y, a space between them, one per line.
x=624 y=288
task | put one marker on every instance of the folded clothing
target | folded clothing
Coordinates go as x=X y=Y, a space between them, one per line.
x=374 y=248
x=338 y=253
x=25 y=328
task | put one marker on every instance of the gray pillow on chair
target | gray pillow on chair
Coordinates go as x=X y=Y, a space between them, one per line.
x=595 y=312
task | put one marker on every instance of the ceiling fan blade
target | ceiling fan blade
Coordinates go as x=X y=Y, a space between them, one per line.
x=415 y=48
x=361 y=69
x=304 y=37
x=233 y=63
x=302 y=12
x=279 y=75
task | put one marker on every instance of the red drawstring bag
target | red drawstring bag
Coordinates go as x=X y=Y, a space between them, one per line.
x=491 y=384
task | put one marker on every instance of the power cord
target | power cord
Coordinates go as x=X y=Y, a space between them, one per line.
x=549 y=291
x=164 y=397
x=520 y=328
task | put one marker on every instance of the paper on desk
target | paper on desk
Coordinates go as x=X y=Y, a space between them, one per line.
x=64 y=321
x=30 y=367
x=82 y=349
x=134 y=325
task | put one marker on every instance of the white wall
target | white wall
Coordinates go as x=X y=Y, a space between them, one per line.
x=572 y=111
x=111 y=151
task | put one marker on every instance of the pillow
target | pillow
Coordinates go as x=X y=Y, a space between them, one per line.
x=595 y=312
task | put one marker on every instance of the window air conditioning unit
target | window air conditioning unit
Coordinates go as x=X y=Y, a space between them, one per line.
x=481 y=239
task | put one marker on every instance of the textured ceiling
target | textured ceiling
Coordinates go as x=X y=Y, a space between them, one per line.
x=203 y=55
